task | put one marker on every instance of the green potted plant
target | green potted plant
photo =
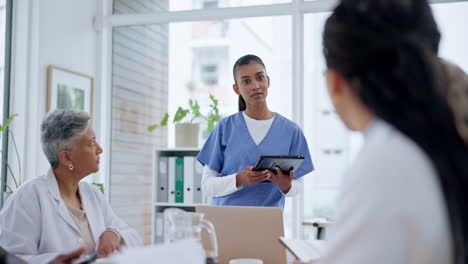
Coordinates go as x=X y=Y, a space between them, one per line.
x=186 y=122
x=186 y=127
x=17 y=178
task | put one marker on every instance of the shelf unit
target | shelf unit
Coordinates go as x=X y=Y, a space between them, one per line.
x=177 y=183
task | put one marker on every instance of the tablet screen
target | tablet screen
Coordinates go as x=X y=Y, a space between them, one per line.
x=286 y=163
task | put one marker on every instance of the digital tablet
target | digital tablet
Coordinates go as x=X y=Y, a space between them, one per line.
x=286 y=163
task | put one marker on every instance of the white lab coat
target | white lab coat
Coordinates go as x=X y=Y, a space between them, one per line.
x=391 y=209
x=36 y=225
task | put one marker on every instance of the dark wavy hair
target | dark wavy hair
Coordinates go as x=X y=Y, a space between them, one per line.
x=244 y=60
x=387 y=51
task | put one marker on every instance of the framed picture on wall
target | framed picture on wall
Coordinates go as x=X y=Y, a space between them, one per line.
x=68 y=89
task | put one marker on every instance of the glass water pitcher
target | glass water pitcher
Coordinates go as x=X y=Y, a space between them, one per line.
x=180 y=225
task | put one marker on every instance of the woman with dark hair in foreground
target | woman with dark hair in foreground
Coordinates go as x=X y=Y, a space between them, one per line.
x=404 y=198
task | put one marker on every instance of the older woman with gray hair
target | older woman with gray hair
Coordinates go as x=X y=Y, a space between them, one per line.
x=57 y=212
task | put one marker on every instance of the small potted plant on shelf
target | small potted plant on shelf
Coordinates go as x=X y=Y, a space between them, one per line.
x=187 y=124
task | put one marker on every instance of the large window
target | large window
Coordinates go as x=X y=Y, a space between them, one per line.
x=332 y=145
x=201 y=56
x=186 y=51
x=157 y=68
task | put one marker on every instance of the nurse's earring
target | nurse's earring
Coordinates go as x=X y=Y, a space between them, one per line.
x=70 y=167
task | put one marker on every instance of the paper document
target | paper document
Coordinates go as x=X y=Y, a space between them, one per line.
x=179 y=252
x=302 y=249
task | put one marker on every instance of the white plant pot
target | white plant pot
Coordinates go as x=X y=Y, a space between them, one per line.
x=186 y=135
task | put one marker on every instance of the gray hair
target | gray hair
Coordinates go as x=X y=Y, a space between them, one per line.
x=61 y=130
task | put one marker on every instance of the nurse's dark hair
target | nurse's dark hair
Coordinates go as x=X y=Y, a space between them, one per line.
x=387 y=51
x=244 y=60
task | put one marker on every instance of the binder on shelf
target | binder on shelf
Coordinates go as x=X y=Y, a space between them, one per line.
x=158 y=227
x=171 y=179
x=162 y=178
x=197 y=179
x=188 y=178
x=179 y=180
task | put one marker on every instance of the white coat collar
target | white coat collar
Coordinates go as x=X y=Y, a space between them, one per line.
x=52 y=185
x=88 y=206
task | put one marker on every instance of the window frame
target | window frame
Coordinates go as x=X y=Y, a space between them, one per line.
x=6 y=95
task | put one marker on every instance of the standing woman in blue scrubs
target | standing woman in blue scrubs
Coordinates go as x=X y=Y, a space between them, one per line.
x=237 y=141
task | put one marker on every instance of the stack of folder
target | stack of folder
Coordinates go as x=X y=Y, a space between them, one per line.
x=179 y=180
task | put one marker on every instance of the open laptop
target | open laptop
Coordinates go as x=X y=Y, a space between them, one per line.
x=247 y=232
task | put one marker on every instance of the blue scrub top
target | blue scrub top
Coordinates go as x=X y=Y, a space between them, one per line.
x=230 y=148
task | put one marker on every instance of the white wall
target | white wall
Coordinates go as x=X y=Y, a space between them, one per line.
x=58 y=32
